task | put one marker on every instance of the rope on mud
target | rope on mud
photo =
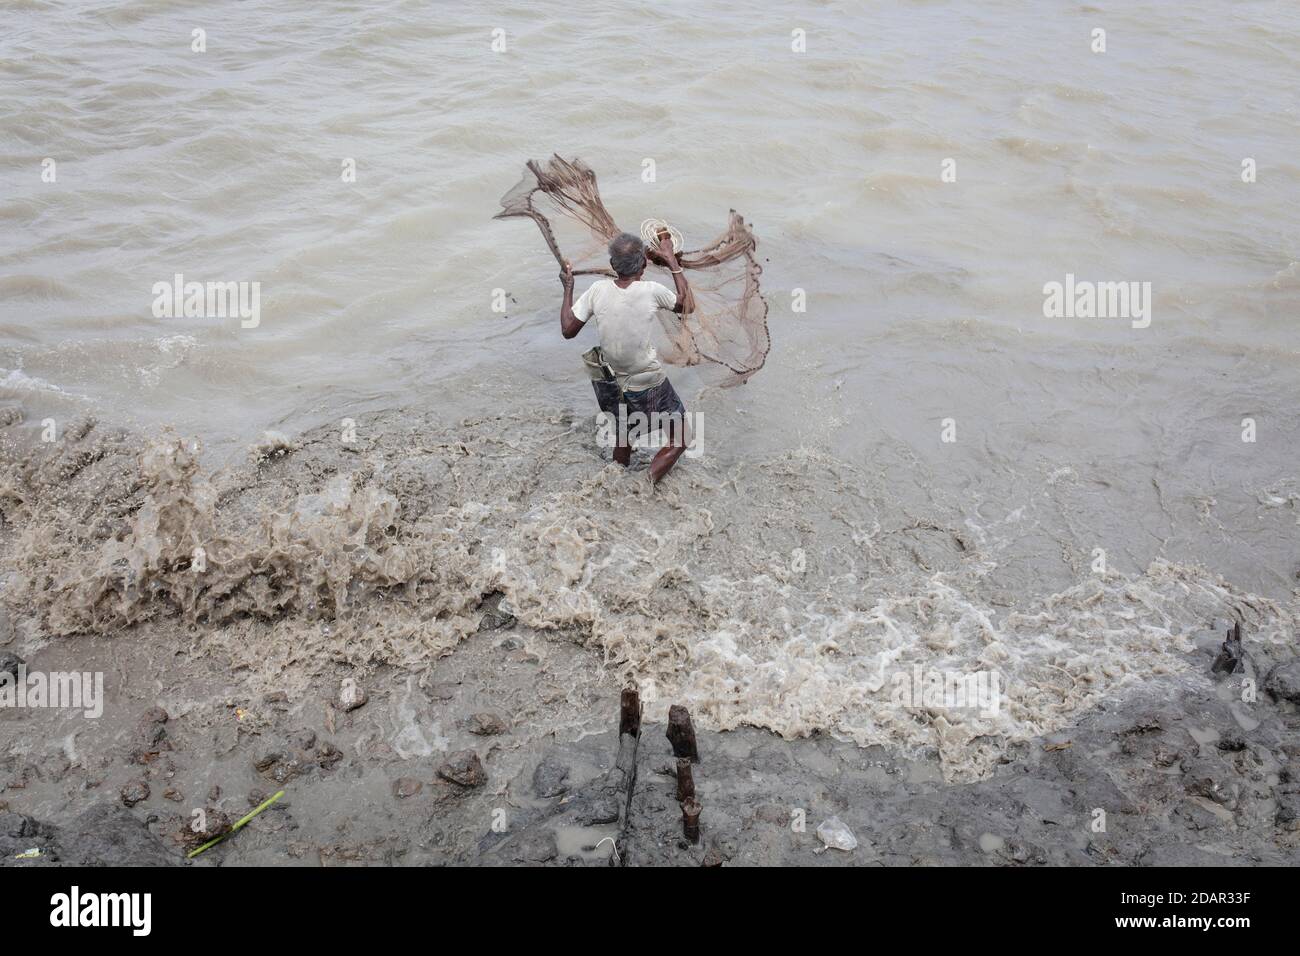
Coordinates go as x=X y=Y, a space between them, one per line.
x=613 y=845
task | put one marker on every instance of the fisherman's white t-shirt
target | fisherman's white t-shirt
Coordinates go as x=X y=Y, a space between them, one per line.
x=625 y=319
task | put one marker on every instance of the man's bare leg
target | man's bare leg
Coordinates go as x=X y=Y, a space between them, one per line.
x=667 y=456
x=623 y=454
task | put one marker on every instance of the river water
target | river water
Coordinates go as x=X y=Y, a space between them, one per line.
x=916 y=173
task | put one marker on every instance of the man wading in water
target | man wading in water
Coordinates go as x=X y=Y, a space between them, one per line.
x=630 y=383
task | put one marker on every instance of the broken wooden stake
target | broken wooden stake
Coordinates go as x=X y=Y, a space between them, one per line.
x=629 y=715
x=1229 y=660
x=680 y=733
x=691 y=820
x=685 y=780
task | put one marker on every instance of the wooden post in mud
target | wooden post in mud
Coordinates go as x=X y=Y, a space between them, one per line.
x=1230 y=656
x=629 y=714
x=691 y=819
x=629 y=734
x=685 y=781
x=681 y=734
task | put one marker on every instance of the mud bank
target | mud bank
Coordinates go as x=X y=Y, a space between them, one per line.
x=475 y=769
x=420 y=630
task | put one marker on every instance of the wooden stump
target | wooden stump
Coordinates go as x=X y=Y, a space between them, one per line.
x=685 y=780
x=681 y=734
x=691 y=810
x=1230 y=659
x=629 y=715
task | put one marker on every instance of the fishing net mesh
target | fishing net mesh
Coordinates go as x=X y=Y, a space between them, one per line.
x=728 y=328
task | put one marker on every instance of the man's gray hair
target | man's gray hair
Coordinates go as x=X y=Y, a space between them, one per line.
x=627 y=255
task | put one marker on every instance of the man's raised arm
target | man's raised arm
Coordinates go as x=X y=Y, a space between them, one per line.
x=685 y=300
x=570 y=324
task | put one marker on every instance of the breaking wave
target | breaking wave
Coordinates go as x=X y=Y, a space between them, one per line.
x=709 y=589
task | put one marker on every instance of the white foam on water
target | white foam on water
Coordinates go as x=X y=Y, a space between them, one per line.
x=19 y=381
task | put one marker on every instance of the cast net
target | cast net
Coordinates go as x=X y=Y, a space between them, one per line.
x=728 y=328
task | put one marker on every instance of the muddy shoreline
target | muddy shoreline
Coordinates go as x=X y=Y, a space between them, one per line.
x=431 y=688
x=1200 y=779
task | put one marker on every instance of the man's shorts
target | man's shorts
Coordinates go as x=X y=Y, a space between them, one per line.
x=645 y=411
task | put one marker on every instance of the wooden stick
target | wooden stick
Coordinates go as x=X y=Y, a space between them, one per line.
x=629 y=715
x=236 y=828
x=681 y=734
x=685 y=780
x=691 y=810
